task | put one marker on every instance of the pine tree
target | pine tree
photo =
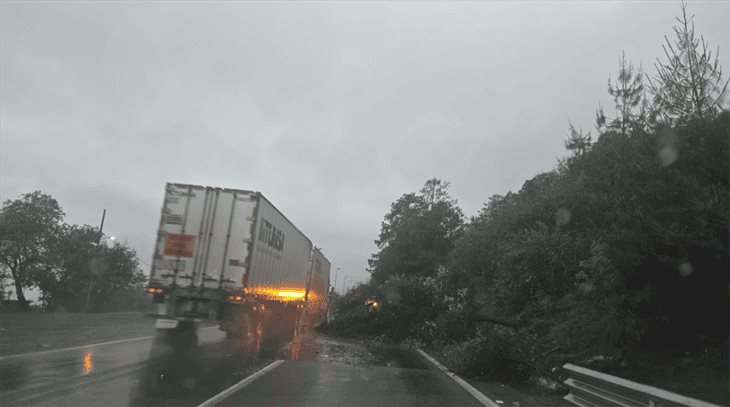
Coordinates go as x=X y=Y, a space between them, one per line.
x=689 y=85
x=577 y=141
x=628 y=96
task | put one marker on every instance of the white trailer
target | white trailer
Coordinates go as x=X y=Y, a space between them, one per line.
x=318 y=289
x=221 y=251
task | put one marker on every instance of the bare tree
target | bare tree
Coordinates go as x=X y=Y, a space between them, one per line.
x=690 y=84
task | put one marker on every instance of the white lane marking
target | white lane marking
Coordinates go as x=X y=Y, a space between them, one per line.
x=468 y=387
x=47 y=352
x=238 y=386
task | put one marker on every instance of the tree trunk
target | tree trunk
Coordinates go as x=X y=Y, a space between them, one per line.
x=22 y=302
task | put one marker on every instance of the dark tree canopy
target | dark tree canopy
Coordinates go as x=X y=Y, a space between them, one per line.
x=85 y=265
x=28 y=226
x=418 y=233
x=623 y=247
x=66 y=263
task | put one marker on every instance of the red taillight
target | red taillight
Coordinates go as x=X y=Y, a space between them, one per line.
x=153 y=290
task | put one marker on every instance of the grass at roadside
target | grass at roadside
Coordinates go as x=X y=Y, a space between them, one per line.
x=22 y=332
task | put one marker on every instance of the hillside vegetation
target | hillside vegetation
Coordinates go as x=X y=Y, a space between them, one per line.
x=617 y=259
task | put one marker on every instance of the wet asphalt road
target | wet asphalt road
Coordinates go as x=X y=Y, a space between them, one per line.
x=317 y=371
x=326 y=372
x=102 y=374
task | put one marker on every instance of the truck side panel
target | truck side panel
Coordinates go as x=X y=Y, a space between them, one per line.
x=319 y=286
x=280 y=259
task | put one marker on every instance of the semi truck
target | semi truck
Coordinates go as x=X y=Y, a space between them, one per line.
x=229 y=256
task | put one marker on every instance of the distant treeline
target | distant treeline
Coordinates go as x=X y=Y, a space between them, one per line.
x=622 y=247
x=73 y=267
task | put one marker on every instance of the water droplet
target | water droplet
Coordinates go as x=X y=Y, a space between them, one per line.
x=667 y=156
x=685 y=269
x=562 y=216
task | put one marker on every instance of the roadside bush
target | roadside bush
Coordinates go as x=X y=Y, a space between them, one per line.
x=499 y=354
x=351 y=316
x=128 y=299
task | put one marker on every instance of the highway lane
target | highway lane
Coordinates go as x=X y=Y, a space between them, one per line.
x=215 y=370
x=321 y=371
x=316 y=371
x=33 y=377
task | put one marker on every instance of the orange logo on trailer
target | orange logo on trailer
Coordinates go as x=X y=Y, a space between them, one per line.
x=179 y=245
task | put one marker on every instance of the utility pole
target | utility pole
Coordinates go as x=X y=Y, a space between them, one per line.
x=91 y=270
x=101 y=227
x=337 y=271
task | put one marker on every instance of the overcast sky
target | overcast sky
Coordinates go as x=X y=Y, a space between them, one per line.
x=332 y=110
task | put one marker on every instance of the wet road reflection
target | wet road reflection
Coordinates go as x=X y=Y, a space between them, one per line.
x=318 y=370
x=88 y=363
x=324 y=371
x=183 y=369
x=65 y=376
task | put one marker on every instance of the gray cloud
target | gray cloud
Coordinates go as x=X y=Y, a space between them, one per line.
x=333 y=110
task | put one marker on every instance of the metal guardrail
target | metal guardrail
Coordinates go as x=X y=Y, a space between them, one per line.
x=589 y=388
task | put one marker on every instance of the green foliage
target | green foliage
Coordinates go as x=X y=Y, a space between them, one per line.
x=82 y=265
x=623 y=247
x=28 y=226
x=417 y=234
x=497 y=354
x=632 y=112
x=408 y=274
x=351 y=314
x=415 y=309
x=578 y=142
x=65 y=262
x=690 y=84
